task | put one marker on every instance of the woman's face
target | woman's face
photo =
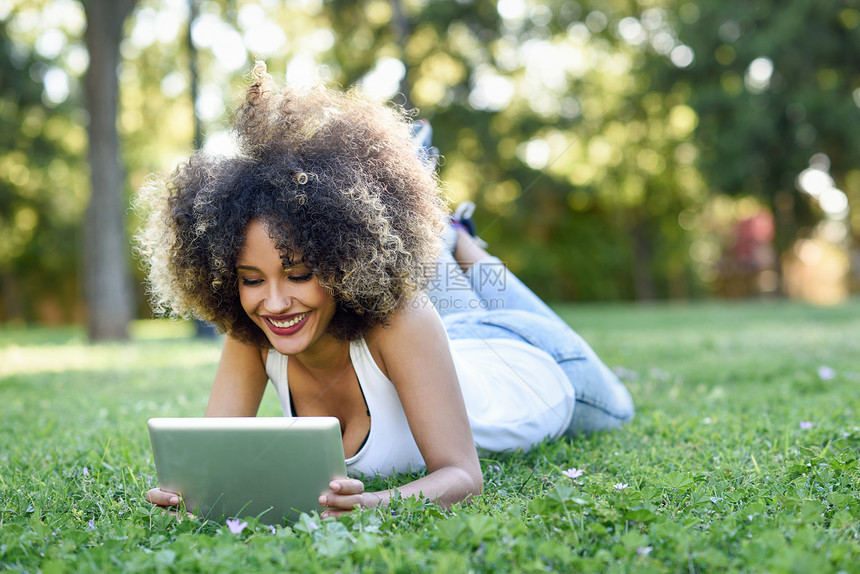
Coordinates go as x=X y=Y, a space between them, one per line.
x=288 y=303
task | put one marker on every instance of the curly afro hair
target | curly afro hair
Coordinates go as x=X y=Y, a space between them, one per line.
x=333 y=177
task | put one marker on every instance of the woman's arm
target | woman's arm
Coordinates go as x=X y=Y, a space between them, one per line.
x=240 y=381
x=238 y=390
x=417 y=359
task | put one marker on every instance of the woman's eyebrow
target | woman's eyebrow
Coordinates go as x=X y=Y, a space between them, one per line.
x=292 y=263
x=285 y=267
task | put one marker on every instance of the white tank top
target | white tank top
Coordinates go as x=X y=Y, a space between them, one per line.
x=516 y=395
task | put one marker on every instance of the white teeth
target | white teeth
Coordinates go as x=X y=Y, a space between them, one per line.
x=290 y=323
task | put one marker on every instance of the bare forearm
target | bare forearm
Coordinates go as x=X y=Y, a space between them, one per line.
x=444 y=486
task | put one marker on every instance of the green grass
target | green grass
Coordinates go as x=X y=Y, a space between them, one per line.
x=721 y=474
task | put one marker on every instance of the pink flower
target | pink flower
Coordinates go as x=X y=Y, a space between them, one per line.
x=271 y=529
x=235 y=526
x=620 y=485
x=313 y=525
x=825 y=373
x=805 y=425
x=573 y=472
x=86 y=471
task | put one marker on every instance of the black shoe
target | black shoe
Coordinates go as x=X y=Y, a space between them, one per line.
x=462 y=217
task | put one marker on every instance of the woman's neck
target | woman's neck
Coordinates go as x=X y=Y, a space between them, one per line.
x=327 y=355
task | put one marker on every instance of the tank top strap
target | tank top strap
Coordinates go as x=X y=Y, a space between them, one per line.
x=276 y=370
x=389 y=446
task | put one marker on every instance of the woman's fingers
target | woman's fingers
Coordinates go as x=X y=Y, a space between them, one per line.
x=343 y=501
x=162 y=497
x=345 y=495
x=347 y=486
x=331 y=512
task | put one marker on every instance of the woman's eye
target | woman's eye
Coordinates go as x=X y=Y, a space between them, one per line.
x=301 y=278
x=251 y=282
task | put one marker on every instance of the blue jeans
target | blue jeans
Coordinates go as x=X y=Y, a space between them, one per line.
x=490 y=302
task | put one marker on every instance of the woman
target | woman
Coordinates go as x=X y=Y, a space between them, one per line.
x=316 y=250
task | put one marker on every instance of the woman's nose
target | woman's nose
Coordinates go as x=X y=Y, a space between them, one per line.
x=279 y=299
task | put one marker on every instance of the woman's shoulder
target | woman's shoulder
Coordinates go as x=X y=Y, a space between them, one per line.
x=409 y=329
x=417 y=317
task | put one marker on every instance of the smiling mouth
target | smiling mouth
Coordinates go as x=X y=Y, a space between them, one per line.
x=287 y=324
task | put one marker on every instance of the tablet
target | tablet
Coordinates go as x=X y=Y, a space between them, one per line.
x=273 y=468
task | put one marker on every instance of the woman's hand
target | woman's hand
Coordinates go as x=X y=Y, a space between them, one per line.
x=163 y=498
x=346 y=494
x=166 y=500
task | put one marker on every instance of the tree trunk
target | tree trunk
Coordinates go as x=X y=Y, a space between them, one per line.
x=202 y=329
x=107 y=280
x=11 y=305
x=643 y=278
x=401 y=28
x=193 y=13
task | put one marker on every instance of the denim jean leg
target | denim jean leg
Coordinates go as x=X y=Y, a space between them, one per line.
x=449 y=290
x=499 y=288
x=602 y=401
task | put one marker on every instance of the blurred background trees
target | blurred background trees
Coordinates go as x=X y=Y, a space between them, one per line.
x=43 y=185
x=617 y=149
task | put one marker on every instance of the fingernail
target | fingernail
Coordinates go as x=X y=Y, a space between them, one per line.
x=174 y=500
x=322 y=500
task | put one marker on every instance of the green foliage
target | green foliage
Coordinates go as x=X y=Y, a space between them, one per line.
x=42 y=188
x=581 y=174
x=579 y=137
x=755 y=137
x=720 y=474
